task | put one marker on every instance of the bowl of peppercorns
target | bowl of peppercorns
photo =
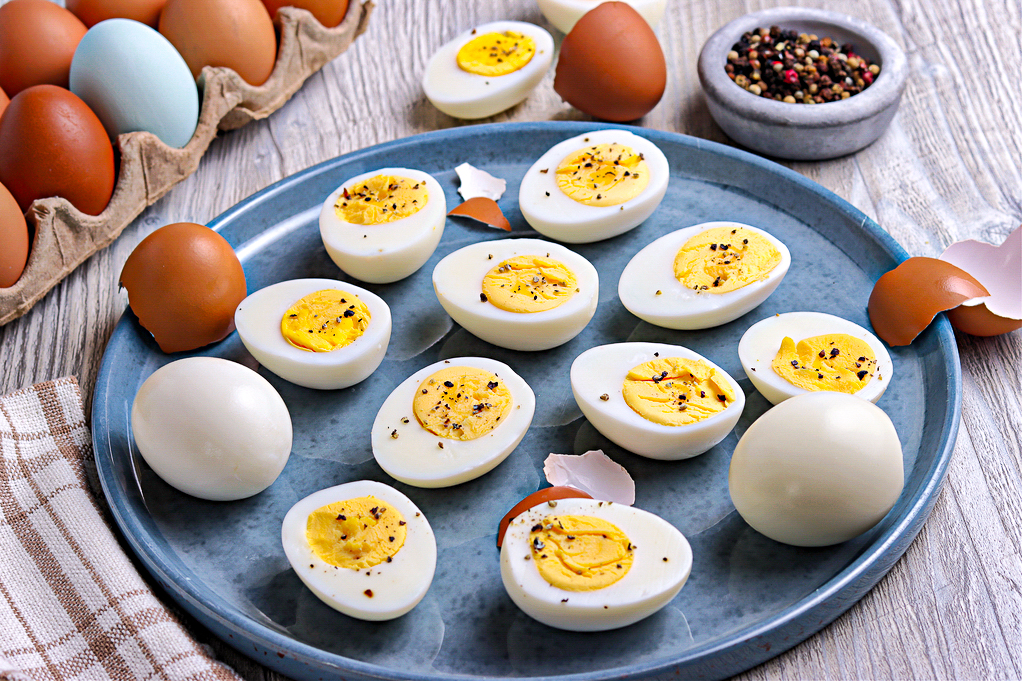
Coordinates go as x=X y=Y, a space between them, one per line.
x=802 y=84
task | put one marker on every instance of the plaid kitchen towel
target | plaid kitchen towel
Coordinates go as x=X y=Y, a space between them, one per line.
x=71 y=604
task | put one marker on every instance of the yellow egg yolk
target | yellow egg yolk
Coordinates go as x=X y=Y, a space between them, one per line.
x=674 y=391
x=356 y=533
x=529 y=283
x=580 y=552
x=496 y=54
x=325 y=320
x=724 y=259
x=461 y=403
x=603 y=175
x=381 y=199
x=836 y=362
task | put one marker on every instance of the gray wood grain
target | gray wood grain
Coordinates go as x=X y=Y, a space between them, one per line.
x=949 y=168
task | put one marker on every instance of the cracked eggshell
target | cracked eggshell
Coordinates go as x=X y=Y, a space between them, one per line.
x=999 y=270
x=594 y=473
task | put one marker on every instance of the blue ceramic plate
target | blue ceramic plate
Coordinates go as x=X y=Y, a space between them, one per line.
x=748 y=599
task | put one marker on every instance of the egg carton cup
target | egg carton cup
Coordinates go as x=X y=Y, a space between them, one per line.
x=64 y=237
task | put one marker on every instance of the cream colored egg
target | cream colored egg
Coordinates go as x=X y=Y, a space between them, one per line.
x=552 y=213
x=458 y=278
x=661 y=563
x=597 y=379
x=759 y=346
x=564 y=13
x=413 y=455
x=464 y=94
x=380 y=592
x=649 y=289
x=388 y=252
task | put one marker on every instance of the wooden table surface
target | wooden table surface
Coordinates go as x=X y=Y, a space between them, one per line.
x=949 y=168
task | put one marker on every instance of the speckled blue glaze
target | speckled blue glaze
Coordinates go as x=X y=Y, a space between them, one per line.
x=749 y=598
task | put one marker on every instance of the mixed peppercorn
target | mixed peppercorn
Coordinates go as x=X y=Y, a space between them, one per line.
x=798 y=68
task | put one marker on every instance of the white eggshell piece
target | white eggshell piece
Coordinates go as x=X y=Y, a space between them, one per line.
x=476 y=182
x=563 y=14
x=998 y=268
x=594 y=473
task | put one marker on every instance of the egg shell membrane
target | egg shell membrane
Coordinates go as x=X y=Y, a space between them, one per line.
x=593 y=472
x=999 y=269
x=476 y=182
x=484 y=210
x=611 y=64
x=535 y=499
x=905 y=300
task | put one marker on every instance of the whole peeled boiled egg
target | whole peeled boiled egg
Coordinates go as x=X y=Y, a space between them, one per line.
x=594 y=186
x=37 y=40
x=383 y=225
x=656 y=400
x=452 y=421
x=488 y=69
x=317 y=333
x=91 y=12
x=13 y=239
x=589 y=565
x=703 y=276
x=363 y=548
x=799 y=352
x=522 y=294
x=564 y=14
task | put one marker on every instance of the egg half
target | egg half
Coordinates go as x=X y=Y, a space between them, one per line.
x=703 y=276
x=657 y=400
x=588 y=565
x=829 y=353
x=363 y=548
x=452 y=421
x=594 y=186
x=488 y=69
x=522 y=294
x=383 y=225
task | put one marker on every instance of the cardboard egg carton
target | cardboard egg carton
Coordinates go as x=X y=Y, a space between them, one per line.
x=64 y=237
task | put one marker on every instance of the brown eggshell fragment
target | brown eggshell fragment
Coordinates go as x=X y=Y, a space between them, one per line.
x=51 y=144
x=327 y=12
x=237 y=34
x=37 y=41
x=484 y=210
x=905 y=300
x=184 y=283
x=999 y=269
x=13 y=239
x=611 y=65
x=535 y=499
x=91 y=12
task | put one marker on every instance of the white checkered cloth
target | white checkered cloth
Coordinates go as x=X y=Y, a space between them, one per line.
x=72 y=605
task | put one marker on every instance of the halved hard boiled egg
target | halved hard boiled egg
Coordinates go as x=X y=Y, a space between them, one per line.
x=452 y=421
x=522 y=294
x=488 y=69
x=594 y=186
x=657 y=400
x=383 y=225
x=363 y=548
x=317 y=333
x=589 y=565
x=564 y=13
x=798 y=352
x=703 y=276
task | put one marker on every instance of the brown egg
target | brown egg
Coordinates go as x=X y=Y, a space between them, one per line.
x=37 y=41
x=611 y=65
x=184 y=282
x=327 y=12
x=13 y=239
x=237 y=34
x=51 y=144
x=91 y=12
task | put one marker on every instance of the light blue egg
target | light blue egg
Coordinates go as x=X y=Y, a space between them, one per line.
x=134 y=79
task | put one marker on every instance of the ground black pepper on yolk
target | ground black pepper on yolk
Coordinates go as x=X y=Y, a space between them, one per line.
x=580 y=553
x=462 y=403
x=325 y=320
x=603 y=175
x=724 y=259
x=674 y=391
x=529 y=283
x=356 y=533
x=496 y=54
x=381 y=199
x=836 y=362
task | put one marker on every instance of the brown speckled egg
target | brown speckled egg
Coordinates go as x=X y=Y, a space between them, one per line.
x=611 y=65
x=13 y=239
x=184 y=282
x=327 y=12
x=37 y=41
x=237 y=34
x=91 y=12
x=51 y=144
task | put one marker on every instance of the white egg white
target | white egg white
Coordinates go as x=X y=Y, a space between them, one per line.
x=457 y=281
x=380 y=254
x=649 y=290
x=396 y=587
x=466 y=95
x=258 y=320
x=413 y=455
x=662 y=564
x=554 y=214
x=759 y=346
x=602 y=370
x=564 y=13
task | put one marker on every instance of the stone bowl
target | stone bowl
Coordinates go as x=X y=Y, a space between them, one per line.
x=804 y=132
